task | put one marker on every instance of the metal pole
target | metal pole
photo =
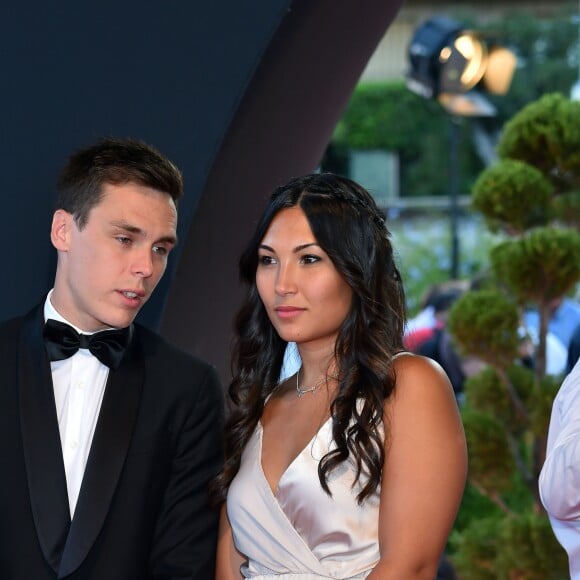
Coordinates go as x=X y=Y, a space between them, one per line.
x=575 y=91
x=454 y=142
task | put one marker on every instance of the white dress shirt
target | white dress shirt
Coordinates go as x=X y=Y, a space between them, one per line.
x=559 y=480
x=79 y=385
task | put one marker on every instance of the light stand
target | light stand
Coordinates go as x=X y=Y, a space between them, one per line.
x=454 y=142
x=447 y=63
x=575 y=92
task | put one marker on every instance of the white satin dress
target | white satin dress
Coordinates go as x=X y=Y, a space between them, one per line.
x=301 y=533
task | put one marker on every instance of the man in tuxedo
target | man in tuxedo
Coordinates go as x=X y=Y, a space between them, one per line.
x=109 y=435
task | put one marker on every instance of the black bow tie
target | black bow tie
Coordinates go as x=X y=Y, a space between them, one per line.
x=62 y=341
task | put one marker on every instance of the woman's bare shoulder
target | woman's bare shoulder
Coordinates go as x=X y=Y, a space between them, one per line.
x=410 y=365
x=417 y=376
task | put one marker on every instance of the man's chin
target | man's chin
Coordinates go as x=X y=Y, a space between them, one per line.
x=118 y=321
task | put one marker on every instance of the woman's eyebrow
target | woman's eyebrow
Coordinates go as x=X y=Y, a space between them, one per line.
x=295 y=250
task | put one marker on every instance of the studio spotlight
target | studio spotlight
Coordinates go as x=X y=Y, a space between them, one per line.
x=424 y=52
x=446 y=59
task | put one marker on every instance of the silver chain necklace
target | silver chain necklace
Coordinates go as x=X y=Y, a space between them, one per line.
x=301 y=392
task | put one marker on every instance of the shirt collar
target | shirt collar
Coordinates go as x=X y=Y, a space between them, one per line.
x=51 y=312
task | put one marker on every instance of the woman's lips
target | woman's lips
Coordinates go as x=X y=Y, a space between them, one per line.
x=286 y=312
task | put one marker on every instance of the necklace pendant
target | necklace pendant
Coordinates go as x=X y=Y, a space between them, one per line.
x=302 y=392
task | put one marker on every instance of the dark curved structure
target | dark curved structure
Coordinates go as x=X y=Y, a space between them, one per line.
x=241 y=96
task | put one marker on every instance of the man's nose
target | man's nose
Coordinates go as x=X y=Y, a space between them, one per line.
x=143 y=264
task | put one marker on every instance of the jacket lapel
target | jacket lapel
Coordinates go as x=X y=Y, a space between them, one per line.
x=41 y=441
x=107 y=456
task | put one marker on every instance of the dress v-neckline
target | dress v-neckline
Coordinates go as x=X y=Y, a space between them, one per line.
x=275 y=492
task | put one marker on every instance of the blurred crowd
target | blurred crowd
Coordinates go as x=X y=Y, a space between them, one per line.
x=427 y=334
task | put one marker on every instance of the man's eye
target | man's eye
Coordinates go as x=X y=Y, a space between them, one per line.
x=160 y=250
x=123 y=240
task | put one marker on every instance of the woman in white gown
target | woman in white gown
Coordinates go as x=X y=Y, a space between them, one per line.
x=354 y=467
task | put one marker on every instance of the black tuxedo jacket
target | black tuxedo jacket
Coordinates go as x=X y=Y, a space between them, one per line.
x=142 y=512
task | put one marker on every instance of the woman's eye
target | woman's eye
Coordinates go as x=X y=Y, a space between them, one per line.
x=309 y=259
x=265 y=260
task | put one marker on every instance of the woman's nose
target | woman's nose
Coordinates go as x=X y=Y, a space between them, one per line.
x=285 y=280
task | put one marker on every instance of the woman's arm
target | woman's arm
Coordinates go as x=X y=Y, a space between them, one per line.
x=229 y=559
x=424 y=473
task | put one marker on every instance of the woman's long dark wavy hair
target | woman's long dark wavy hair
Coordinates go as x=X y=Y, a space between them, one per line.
x=350 y=228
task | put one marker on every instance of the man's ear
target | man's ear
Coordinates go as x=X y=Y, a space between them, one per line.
x=60 y=231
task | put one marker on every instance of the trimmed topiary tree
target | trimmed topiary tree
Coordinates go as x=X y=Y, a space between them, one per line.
x=531 y=195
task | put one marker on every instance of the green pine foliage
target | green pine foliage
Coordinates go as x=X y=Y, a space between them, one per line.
x=567 y=208
x=539 y=266
x=485 y=323
x=546 y=135
x=491 y=463
x=520 y=547
x=497 y=194
x=486 y=392
x=526 y=549
x=531 y=196
x=476 y=549
x=542 y=397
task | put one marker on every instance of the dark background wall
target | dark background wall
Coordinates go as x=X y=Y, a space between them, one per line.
x=240 y=95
